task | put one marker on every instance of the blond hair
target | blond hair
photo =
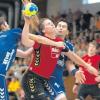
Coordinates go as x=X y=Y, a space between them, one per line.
x=94 y=43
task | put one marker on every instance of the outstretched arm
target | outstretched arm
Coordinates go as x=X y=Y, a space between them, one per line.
x=44 y=40
x=75 y=58
x=28 y=39
x=79 y=75
x=24 y=54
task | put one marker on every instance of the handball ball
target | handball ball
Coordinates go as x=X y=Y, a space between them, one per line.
x=30 y=9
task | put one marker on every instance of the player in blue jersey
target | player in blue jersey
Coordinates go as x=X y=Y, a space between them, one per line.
x=9 y=39
x=55 y=85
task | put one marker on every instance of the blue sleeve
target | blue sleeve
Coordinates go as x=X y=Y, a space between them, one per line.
x=70 y=46
x=16 y=33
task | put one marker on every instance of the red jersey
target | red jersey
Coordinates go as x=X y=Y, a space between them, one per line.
x=45 y=59
x=94 y=61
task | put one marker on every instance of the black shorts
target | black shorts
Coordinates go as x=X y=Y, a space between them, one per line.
x=91 y=90
x=33 y=86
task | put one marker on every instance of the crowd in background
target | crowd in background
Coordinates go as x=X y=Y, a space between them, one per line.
x=83 y=28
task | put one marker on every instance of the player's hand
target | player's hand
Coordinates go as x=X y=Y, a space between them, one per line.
x=80 y=77
x=97 y=78
x=25 y=1
x=75 y=89
x=92 y=70
x=27 y=20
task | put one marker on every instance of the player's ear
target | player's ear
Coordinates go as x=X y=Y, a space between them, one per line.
x=43 y=31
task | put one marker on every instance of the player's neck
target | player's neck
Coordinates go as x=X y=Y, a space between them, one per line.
x=60 y=36
x=51 y=36
x=91 y=54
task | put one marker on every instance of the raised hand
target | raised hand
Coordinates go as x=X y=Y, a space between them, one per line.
x=25 y=1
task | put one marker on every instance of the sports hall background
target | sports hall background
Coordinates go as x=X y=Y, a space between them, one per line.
x=84 y=24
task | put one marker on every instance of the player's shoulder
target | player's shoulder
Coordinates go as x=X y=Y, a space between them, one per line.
x=69 y=45
x=97 y=56
x=18 y=30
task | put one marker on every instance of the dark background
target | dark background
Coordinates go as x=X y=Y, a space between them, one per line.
x=16 y=6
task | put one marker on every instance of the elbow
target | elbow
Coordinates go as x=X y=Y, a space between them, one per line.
x=25 y=42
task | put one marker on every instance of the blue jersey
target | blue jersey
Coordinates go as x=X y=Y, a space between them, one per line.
x=8 y=44
x=55 y=84
x=58 y=72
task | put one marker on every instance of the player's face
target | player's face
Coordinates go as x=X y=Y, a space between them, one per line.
x=5 y=26
x=62 y=28
x=49 y=27
x=91 y=49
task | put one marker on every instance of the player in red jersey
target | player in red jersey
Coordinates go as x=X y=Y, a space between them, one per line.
x=44 y=61
x=90 y=85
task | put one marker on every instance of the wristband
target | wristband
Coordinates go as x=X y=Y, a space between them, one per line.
x=73 y=72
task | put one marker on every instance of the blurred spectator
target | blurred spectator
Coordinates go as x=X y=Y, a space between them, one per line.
x=13 y=87
x=87 y=16
x=98 y=23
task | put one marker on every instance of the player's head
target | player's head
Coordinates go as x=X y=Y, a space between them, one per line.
x=62 y=27
x=3 y=24
x=47 y=26
x=92 y=48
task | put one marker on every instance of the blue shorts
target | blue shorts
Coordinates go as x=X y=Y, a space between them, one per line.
x=3 y=88
x=54 y=87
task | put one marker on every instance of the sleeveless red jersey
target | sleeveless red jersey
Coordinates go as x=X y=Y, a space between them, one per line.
x=94 y=61
x=45 y=59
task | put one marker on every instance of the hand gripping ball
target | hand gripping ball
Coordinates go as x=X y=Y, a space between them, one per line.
x=30 y=9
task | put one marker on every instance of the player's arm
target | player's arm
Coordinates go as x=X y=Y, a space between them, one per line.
x=75 y=58
x=79 y=75
x=28 y=39
x=76 y=87
x=24 y=54
x=45 y=40
x=25 y=32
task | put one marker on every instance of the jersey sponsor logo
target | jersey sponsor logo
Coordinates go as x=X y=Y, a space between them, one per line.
x=55 y=52
x=37 y=57
x=8 y=58
x=2 y=96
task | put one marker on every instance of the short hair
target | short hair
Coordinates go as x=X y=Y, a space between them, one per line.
x=94 y=43
x=61 y=19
